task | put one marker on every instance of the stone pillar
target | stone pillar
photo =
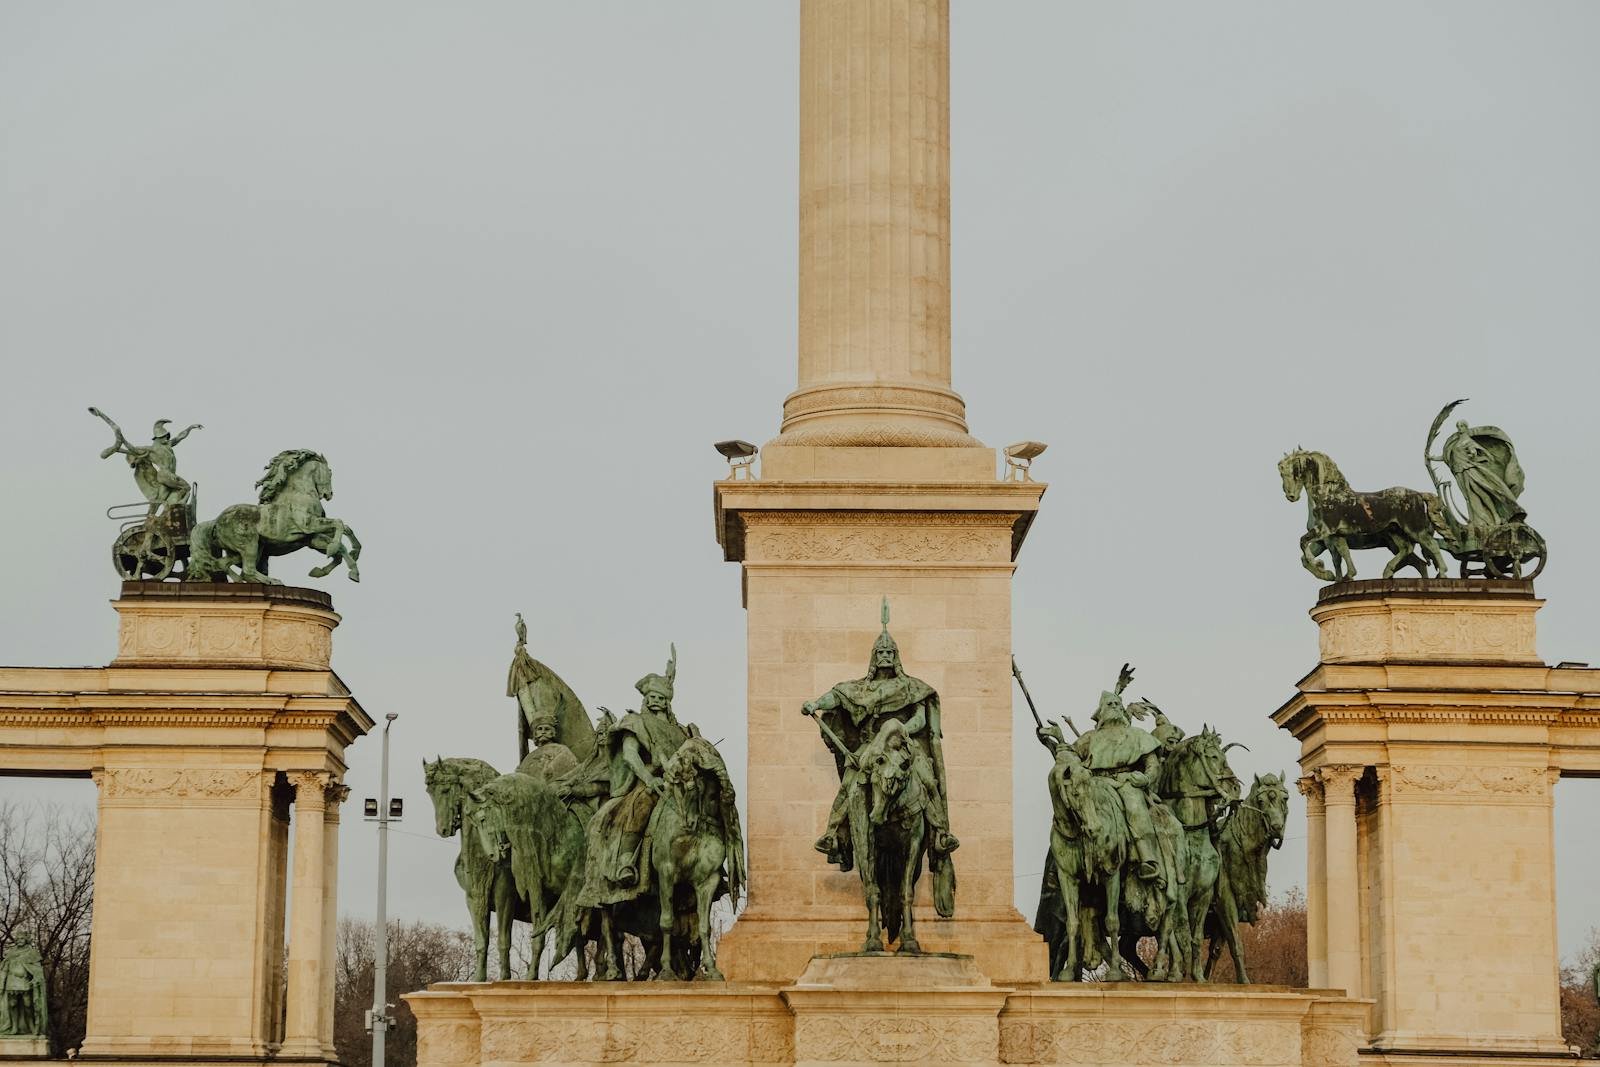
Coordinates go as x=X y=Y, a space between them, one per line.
x=874 y=226
x=1316 y=883
x=302 y=1030
x=337 y=794
x=1343 y=897
x=272 y=906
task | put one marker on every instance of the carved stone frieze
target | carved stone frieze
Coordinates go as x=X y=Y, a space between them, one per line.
x=853 y=1037
x=1170 y=1043
x=657 y=1039
x=1375 y=631
x=879 y=536
x=1326 y=1046
x=207 y=634
x=122 y=782
x=1464 y=781
x=442 y=1042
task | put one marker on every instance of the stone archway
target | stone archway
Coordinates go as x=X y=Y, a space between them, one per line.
x=219 y=720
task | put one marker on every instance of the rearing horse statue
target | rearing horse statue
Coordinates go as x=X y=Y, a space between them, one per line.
x=289 y=517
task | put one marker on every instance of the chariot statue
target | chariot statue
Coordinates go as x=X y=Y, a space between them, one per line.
x=1486 y=530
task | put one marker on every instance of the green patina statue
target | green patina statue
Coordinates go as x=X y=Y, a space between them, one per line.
x=236 y=545
x=1150 y=837
x=891 y=808
x=155 y=466
x=24 y=1004
x=1492 y=539
x=623 y=828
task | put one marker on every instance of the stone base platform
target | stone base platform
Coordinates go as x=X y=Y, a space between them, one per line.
x=24 y=1048
x=867 y=1009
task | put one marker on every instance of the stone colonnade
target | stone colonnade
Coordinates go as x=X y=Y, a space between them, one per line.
x=217 y=723
x=1432 y=737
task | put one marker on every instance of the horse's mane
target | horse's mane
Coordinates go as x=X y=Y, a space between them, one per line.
x=1328 y=475
x=458 y=769
x=281 y=467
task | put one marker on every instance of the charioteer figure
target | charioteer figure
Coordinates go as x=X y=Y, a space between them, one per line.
x=155 y=465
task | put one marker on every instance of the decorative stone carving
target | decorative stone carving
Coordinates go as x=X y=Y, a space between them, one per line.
x=447 y=1041
x=1310 y=788
x=657 y=1039
x=179 y=782
x=1382 y=629
x=1461 y=781
x=880 y=536
x=1174 y=1043
x=203 y=634
x=1324 y=1046
x=853 y=1037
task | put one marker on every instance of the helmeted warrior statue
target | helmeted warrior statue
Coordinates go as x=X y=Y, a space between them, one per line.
x=155 y=466
x=639 y=747
x=547 y=706
x=861 y=708
x=24 y=1011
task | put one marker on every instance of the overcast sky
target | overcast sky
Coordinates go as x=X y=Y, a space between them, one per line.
x=514 y=266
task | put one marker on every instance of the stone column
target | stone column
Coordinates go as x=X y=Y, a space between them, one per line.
x=302 y=1031
x=1316 y=883
x=874 y=227
x=1342 y=899
x=337 y=793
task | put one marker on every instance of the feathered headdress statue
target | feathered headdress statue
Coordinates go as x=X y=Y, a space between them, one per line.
x=661 y=683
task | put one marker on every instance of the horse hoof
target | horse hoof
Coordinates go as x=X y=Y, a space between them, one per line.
x=667 y=975
x=872 y=945
x=711 y=974
x=909 y=946
x=354 y=577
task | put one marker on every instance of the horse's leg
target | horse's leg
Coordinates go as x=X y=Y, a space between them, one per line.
x=664 y=887
x=703 y=891
x=478 y=908
x=1344 y=555
x=1199 y=908
x=864 y=848
x=352 y=554
x=249 y=549
x=613 y=971
x=505 y=906
x=908 y=885
x=1227 y=910
x=327 y=537
x=1067 y=886
x=1116 y=967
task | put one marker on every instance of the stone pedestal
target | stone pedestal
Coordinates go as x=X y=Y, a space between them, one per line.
x=219 y=721
x=818 y=555
x=24 y=1048
x=883 y=1009
x=1432 y=737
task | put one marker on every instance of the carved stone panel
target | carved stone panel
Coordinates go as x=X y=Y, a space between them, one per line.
x=1381 y=630
x=202 y=634
x=870 y=537
x=1197 y=1042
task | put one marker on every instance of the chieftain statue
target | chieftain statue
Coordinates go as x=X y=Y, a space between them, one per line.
x=1149 y=837
x=891 y=809
x=1490 y=539
x=604 y=831
x=24 y=1008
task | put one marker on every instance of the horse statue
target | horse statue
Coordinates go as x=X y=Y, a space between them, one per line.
x=1090 y=857
x=1252 y=829
x=695 y=844
x=1198 y=785
x=520 y=820
x=887 y=811
x=289 y=517
x=1339 y=518
x=485 y=877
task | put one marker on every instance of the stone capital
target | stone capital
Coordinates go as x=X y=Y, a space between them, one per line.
x=1338 y=781
x=1310 y=787
x=335 y=794
x=310 y=789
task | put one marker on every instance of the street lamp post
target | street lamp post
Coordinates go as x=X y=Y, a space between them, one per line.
x=378 y=1019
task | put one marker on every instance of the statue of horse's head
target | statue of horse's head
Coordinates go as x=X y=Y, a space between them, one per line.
x=300 y=468
x=1304 y=469
x=1199 y=767
x=695 y=774
x=1269 y=797
x=448 y=782
x=488 y=814
x=887 y=765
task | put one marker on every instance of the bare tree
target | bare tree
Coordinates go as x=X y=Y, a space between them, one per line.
x=47 y=893
x=1274 y=945
x=420 y=954
x=1580 y=1011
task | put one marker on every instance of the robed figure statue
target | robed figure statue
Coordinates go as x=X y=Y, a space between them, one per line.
x=24 y=1011
x=886 y=738
x=639 y=746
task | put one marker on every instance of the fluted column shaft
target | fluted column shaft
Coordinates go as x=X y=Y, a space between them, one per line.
x=1342 y=900
x=874 y=220
x=1316 y=883
x=306 y=916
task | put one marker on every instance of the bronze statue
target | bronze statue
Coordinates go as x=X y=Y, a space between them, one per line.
x=155 y=466
x=24 y=1001
x=891 y=807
